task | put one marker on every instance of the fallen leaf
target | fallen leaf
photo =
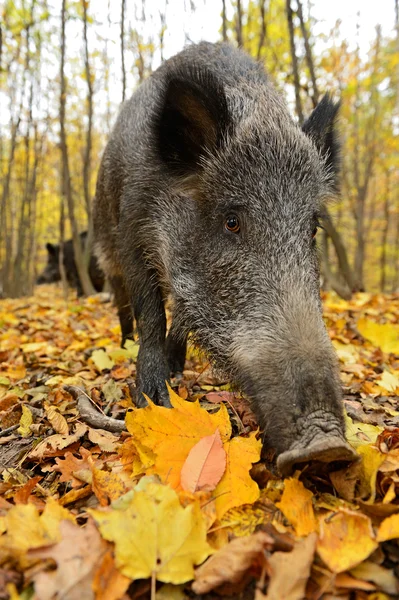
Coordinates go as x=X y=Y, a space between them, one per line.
x=56 y=420
x=171 y=433
x=58 y=441
x=75 y=564
x=26 y=529
x=107 y=486
x=296 y=505
x=389 y=529
x=204 y=465
x=236 y=486
x=101 y=359
x=70 y=467
x=389 y=382
x=106 y=440
x=155 y=536
x=290 y=571
x=230 y=563
x=25 y=422
x=21 y=496
x=358 y=434
x=346 y=539
x=382 y=335
x=108 y=582
x=384 y=578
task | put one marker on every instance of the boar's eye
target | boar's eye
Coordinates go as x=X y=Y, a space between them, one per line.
x=232 y=224
x=314 y=232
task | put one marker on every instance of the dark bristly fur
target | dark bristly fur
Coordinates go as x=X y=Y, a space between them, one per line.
x=207 y=137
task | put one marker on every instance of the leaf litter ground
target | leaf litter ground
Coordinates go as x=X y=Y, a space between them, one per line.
x=100 y=500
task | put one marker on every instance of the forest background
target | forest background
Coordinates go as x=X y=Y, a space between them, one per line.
x=66 y=66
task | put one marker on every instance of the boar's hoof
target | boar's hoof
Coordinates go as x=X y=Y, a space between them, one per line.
x=330 y=449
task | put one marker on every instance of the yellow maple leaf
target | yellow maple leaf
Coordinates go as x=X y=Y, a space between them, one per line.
x=381 y=335
x=346 y=539
x=171 y=433
x=389 y=381
x=236 y=486
x=389 y=529
x=296 y=505
x=26 y=529
x=155 y=536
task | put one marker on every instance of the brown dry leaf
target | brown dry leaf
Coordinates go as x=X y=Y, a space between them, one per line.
x=290 y=571
x=229 y=564
x=346 y=539
x=57 y=441
x=107 y=441
x=108 y=582
x=204 y=465
x=384 y=578
x=77 y=555
x=296 y=505
x=56 y=420
x=71 y=467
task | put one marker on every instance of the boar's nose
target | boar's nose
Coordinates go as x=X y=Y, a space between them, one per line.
x=327 y=449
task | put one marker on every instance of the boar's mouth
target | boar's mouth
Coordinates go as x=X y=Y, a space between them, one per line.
x=326 y=450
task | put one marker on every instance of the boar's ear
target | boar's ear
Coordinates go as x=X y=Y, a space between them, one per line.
x=51 y=249
x=193 y=120
x=321 y=127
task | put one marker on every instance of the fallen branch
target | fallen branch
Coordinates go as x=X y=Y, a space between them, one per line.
x=90 y=414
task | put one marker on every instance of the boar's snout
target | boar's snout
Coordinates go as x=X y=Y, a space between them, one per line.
x=290 y=373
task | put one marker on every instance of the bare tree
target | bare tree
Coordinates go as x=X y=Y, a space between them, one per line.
x=294 y=60
x=239 y=24
x=308 y=52
x=263 y=28
x=65 y=171
x=224 y=21
x=123 y=7
x=88 y=148
x=384 y=236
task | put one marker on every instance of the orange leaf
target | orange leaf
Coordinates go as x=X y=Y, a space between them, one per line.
x=205 y=464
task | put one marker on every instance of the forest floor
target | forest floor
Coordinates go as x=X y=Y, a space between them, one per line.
x=89 y=509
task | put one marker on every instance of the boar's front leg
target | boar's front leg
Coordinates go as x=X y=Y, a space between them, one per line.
x=149 y=312
x=123 y=304
x=176 y=348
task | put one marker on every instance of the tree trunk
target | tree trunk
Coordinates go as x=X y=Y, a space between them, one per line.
x=263 y=28
x=239 y=24
x=340 y=288
x=224 y=21
x=87 y=153
x=309 y=56
x=294 y=60
x=340 y=250
x=384 y=236
x=123 y=6
x=66 y=177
